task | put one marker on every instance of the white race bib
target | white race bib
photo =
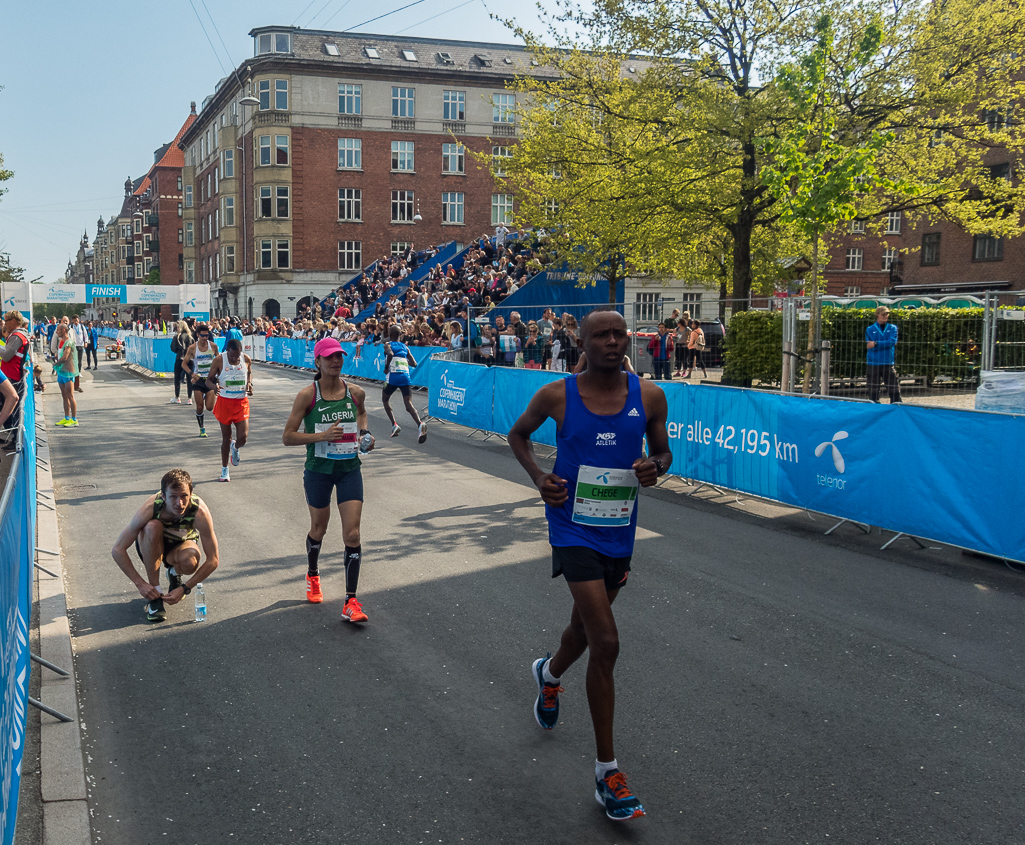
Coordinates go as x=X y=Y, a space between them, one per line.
x=336 y=450
x=399 y=366
x=604 y=497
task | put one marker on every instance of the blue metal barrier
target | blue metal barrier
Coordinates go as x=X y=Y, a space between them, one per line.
x=362 y=361
x=17 y=553
x=895 y=466
x=153 y=353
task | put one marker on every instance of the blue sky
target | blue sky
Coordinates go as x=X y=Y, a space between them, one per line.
x=90 y=90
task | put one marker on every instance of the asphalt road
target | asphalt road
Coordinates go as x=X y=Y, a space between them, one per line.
x=772 y=688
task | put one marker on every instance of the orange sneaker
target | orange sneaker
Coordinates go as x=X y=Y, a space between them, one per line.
x=313 y=593
x=353 y=611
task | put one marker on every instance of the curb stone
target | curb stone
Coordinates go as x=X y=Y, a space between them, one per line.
x=62 y=764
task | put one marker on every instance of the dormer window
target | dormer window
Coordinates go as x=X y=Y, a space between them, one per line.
x=331 y=49
x=409 y=55
x=273 y=42
x=371 y=53
x=446 y=58
x=483 y=61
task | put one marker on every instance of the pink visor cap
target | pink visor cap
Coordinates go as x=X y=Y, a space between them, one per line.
x=327 y=346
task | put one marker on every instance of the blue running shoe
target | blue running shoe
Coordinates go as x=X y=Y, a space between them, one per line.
x=546 y=707
x=234 y=454
x=613 y=794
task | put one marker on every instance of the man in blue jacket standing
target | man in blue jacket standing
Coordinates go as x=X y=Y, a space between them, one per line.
x=881 y=340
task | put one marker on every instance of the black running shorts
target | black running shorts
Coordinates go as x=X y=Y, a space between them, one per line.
x=389 y=389
x=348 y=487
x=579 y=563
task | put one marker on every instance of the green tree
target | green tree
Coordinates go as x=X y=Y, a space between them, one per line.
x=704 y=100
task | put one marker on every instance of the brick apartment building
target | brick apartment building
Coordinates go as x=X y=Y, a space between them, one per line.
x=358 y=147
x=928 y=259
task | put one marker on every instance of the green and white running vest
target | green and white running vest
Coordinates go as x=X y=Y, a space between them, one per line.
x=337 y=456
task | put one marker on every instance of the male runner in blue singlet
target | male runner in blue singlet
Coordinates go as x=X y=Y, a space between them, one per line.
x=602 y=417
x=398 y=360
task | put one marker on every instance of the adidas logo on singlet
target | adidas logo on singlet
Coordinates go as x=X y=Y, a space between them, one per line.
x=633 y=413
x=606 y=438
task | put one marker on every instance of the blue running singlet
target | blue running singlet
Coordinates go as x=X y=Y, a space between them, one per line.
x=596 y=456
x=398 y=368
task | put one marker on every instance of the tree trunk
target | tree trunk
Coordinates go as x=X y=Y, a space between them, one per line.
x=742 y=229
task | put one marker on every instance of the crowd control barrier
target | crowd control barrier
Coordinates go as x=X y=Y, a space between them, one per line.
x=153 y=353
x=362 y=361
x=17 y=554
x=899 y=467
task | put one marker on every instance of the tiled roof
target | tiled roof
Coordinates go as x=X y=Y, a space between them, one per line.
x=143 y=186
x=175 y=155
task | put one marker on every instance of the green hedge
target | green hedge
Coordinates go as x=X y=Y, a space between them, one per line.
x=934 y=342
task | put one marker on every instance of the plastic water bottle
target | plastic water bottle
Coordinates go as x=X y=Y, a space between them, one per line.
x=365 y=442
x=200 y=603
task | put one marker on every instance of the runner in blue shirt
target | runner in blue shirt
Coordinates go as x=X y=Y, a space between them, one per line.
x=602 y=416
x=398 y=360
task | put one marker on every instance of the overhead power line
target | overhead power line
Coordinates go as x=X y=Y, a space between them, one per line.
x=385 y=15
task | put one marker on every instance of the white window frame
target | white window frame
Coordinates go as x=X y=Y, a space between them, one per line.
x=228 y=211
x=282 y=150
x=403 y=102
x=280 y=91
x=889 y=256
x=350 y=205
x=453 y=158
x=497 y=154
x=285 y=245
x=350 y=255
x=228 y=164
x=852 y=290
x=402 y=206
x=264 y=154
x=402 y=159
x=350 y=98
x=503 y=108
x=893 y=221
x=855 y=259
x=350 y=154
x=265 y=253
x=263 y=94
x=452 y=207
x=229 y=258
x=453 y=106
x=501 y=209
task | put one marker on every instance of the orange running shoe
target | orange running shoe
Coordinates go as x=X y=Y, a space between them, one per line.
x=353 y=611
x=313 y=593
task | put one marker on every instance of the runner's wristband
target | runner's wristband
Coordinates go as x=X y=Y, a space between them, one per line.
x=185 y=587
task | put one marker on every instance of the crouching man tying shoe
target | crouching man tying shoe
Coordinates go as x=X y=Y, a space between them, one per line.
x=168 y=529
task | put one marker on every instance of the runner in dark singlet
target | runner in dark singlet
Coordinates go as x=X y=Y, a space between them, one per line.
x=602 y=417
x=329 y=418
x=168 y=530
x=197 y=361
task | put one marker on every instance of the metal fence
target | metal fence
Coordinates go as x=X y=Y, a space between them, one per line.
x=940 y=355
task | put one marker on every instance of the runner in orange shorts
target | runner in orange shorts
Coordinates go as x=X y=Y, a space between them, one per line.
x=231 y=378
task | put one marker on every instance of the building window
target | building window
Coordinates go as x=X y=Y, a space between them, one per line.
x=401 y=206
x=266 y=253
x=852 y=290
x=350 y=205
x=146 y=242
x=138 y=247
x=452 y=208
x=229 y=259
x=228 y=164
x=930 y=249
x=403 y=102
x=350 y=99
x=503 y=108
x=264 y=157
x=995 y=119
x=138 y=225
x=497 y=156
x=350 y=255
x=228 y=211
x=855 y=259
x=181 y=240
x=402 y=155
x=647 y=306
x=284 y=255
x=889 y=256
x=350 y=154
x=1000 y=171
x=400 y=247
x=265 y=203
x=282 y=197
x=263 y=89
x=453 y=158
x=147 y=265
x=856 y=227
x=893 y=223
x=190 y=272
x=179 y=183
x=453 y=105
x=281 y=94
x=138 y=270
x=501 y=209
x=272 y=42
x=281 y=149
x=987 y=248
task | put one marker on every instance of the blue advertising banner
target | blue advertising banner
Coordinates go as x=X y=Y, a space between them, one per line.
x=886 y=465
x=363 y=361
x=153 y=353
x=17 y=542
x=462 y=393
x=513 y=391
